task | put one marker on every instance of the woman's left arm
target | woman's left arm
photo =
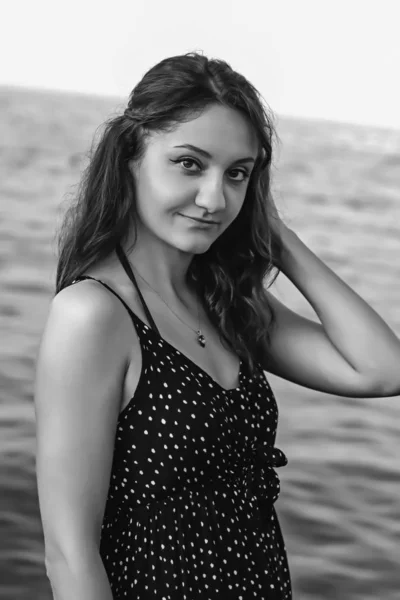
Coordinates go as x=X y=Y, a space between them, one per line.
x=357 y=332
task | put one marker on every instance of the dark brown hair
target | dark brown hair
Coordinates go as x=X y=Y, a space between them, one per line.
x=230 y=275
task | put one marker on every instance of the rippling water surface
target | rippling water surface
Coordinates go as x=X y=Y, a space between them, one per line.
x=338 y=187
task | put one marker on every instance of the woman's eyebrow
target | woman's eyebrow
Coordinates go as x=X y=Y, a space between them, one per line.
x=208 y=155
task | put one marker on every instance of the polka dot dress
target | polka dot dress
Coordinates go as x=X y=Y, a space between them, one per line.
x=190 y=508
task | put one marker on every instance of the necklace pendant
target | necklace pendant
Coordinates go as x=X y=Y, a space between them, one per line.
x=201 y=339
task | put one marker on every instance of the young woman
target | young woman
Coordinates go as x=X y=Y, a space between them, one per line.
x=155 y=422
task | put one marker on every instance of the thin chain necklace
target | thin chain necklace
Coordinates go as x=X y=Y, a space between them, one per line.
x=200 y=337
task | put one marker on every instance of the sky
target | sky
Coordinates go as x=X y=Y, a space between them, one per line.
x=322 y=59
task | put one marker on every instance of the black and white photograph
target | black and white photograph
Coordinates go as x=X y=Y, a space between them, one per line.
x=200 y=300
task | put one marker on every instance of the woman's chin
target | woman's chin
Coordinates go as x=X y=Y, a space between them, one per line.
x=196 y=246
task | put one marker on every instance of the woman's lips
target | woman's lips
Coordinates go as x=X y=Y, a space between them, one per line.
x=200 y=221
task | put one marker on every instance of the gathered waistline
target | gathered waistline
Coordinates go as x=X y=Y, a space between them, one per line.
x=221 y=486
x=263 y=484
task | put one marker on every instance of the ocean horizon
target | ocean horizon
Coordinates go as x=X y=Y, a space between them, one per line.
x=338 y=186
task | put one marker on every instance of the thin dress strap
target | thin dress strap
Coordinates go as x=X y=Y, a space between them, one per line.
x=127 y=267
x=128 y=270
x=82 y=277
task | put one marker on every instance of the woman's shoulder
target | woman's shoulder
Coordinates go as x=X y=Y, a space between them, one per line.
x=107 y=285
x=93 y=288
x=86 y=310
x=88 y=292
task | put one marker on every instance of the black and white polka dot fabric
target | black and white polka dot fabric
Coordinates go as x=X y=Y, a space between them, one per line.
x=190 y=508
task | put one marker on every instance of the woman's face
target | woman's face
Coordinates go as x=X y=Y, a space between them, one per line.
x=174 y=183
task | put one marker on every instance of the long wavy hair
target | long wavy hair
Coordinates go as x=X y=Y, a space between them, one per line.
x=229 y=276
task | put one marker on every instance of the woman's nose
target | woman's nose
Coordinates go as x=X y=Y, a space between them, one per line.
x=212 y=197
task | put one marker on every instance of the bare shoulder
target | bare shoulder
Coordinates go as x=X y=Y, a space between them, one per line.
x=85 y=293
x=79 y=379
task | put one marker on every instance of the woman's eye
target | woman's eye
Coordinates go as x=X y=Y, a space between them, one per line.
x=187 y=160
x=191 y=160
x=244 y=173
